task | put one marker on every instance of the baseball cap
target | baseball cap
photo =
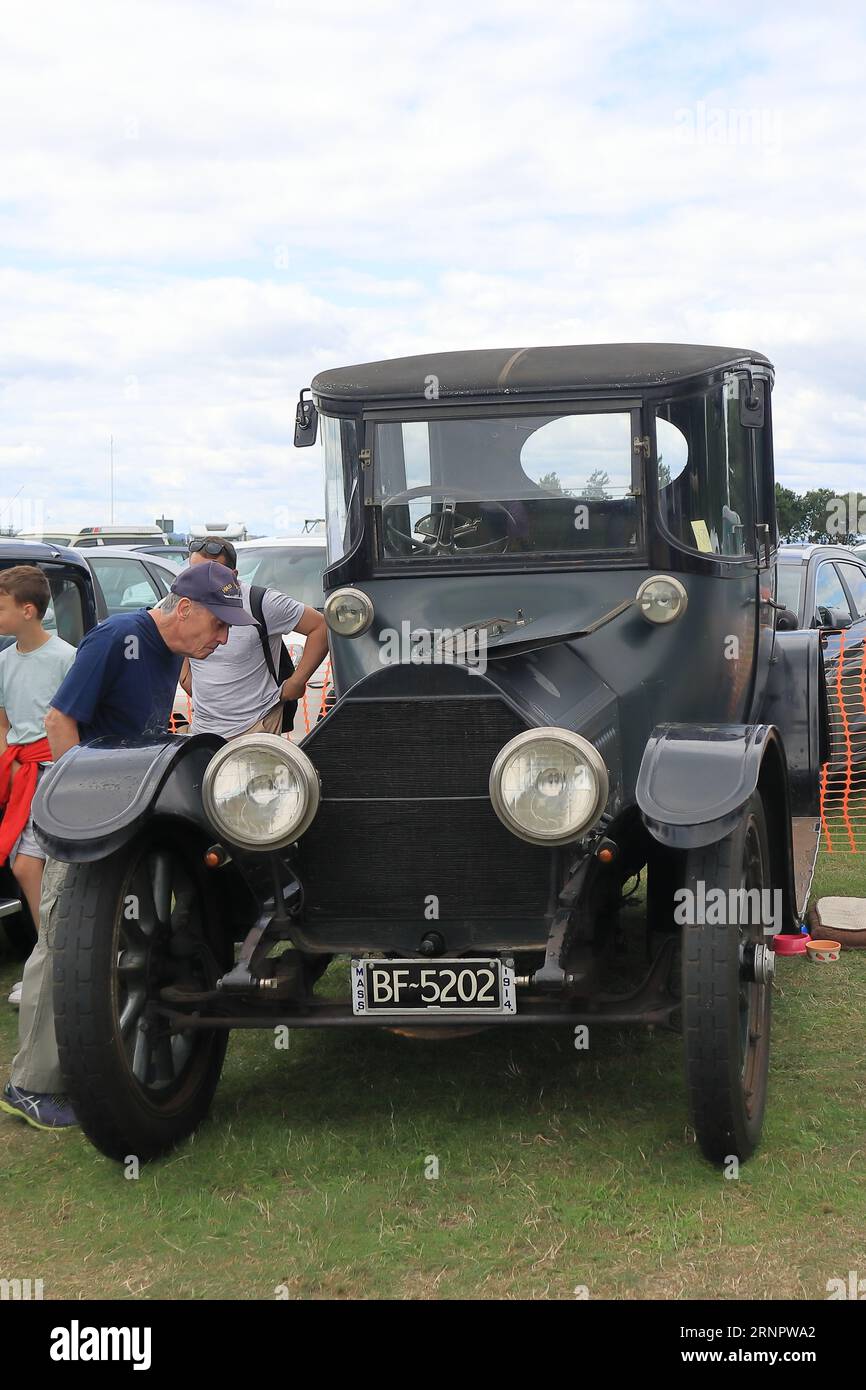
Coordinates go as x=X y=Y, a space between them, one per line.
x=216 y=588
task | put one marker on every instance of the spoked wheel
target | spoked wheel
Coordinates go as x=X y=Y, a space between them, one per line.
x=127 y=927
x=727 y=992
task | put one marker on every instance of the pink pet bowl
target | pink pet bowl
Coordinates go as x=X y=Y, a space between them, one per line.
x=785 y=944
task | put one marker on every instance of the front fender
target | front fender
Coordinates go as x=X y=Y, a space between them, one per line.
x=695 y=779
x=796 y=703
x=99 y=795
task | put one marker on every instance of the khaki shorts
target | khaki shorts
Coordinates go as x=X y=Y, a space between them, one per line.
x=270 y=723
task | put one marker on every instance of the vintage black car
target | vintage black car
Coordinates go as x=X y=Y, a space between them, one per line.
x=551 y=596
x=71 y=613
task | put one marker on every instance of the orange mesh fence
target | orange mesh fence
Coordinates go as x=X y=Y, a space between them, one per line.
x=843 y=779
x=179 y=723
x=312 y=706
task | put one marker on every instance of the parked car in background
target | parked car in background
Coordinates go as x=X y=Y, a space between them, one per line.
x=294 y=565
x=233 y=531
x=86 y=537
x=71 y=613
x=127 y=579
x=825 y=586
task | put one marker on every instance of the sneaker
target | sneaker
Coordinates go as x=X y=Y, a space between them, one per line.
x=15 y=996
x=39 y=1110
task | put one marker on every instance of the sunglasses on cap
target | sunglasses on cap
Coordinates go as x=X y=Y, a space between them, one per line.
x=215 y=547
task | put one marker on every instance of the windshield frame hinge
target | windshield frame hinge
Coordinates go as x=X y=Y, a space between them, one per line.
x=365 y=457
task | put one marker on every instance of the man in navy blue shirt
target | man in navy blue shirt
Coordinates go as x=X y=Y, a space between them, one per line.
x=122 y=682
x=125 y=672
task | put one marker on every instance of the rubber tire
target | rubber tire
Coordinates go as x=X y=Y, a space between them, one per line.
x=105 y=1097
x=710 y=1006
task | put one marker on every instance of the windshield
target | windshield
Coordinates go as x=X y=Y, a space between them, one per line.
x=294 y=570
x=511 y=485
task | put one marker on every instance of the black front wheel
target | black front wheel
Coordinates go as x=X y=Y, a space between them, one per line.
x=127 y=927
x=727 y=989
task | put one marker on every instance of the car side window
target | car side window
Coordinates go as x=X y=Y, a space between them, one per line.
x=164 y=576
x=65 y=615
x=828 y=591
x=126 y=584
x=855 y=578
x=707 y=502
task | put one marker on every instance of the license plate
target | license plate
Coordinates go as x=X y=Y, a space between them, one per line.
x=444 y=986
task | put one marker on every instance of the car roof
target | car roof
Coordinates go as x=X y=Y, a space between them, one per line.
x=515 y=371
x=58 y=530
x=149 y=549
x=30 y=552
x=142 y=529
x=288 y=542
x=122 y=552
x=135 y=528
x=801 y=554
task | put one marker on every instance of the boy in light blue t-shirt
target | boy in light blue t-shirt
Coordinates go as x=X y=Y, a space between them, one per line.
x=31 y=669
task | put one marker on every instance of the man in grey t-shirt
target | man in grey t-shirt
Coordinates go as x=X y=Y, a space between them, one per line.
x=233 y=692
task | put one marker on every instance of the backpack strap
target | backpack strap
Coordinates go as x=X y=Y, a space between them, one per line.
x=257 y=595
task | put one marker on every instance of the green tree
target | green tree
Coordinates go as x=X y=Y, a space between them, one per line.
x=822 y=516
x=553 y=484
x=597 y=484
x=789 y=513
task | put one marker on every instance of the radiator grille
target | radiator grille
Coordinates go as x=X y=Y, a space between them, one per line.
x=405 y=814
x=411 y=748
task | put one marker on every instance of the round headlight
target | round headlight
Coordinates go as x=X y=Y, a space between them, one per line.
x=548 y=786
x=348 y=612
x=260 y=792
x=661 y=599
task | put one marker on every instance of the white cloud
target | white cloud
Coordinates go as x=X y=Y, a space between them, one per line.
x=204 y=203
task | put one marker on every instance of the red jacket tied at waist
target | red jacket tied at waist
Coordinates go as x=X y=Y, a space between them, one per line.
x=16 y=795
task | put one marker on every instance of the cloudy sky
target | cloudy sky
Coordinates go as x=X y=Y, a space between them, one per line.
x=204 y=202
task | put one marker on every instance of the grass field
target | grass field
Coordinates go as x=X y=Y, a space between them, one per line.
x=557 y=1169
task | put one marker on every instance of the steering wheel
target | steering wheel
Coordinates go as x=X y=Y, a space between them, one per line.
x=449 y=525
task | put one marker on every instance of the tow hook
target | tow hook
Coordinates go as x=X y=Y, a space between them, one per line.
x=757 y=964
